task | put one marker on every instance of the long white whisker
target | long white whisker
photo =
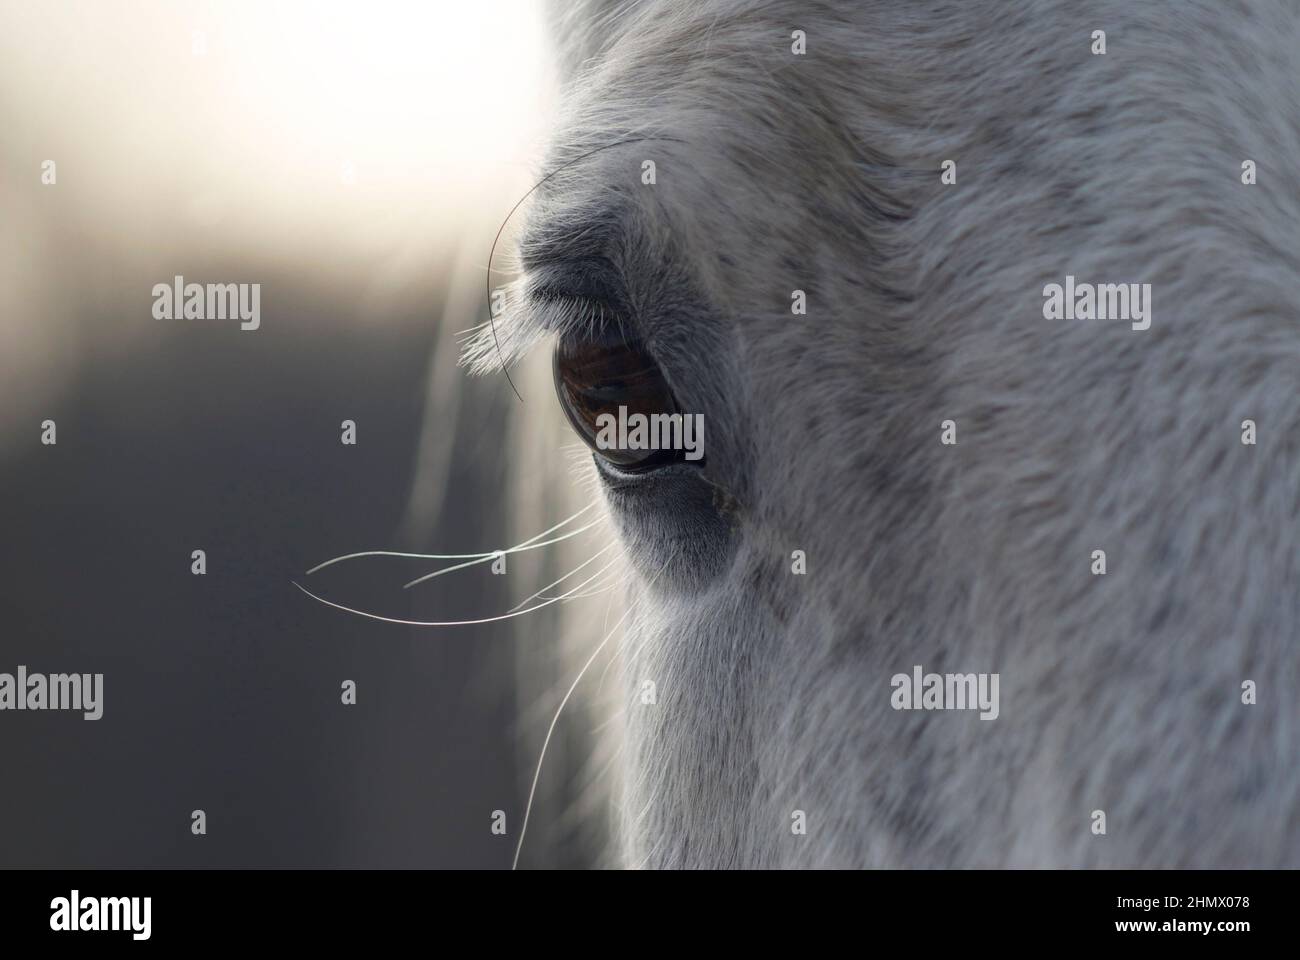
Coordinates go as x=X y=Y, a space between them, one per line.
x=532 y=791
x=612 y=718
x=484 y=558
x=608 y=588
x=603 y=624
x=617 y=577
x=528 y=809
x=449 y=623
x=562 y=579
x=600 y=684
x=597 y=590
x=445 y=556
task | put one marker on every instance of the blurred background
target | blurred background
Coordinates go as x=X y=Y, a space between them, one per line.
x=356 y=160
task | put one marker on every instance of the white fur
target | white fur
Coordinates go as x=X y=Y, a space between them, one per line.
x=822 y=172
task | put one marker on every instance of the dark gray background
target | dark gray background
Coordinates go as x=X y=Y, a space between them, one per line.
x=222 y=692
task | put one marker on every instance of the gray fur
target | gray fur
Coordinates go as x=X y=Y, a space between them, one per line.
x=821 y=173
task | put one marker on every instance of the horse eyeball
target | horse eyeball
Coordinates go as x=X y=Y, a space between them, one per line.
x=603 y=380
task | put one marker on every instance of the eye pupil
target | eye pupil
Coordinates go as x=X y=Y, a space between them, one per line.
x=606 y=373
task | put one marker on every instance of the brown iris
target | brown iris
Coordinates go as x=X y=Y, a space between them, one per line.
x=601 y=372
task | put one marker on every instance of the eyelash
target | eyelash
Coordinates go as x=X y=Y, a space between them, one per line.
x=570 y=317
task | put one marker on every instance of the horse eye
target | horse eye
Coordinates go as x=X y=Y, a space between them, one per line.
x=603 y=379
